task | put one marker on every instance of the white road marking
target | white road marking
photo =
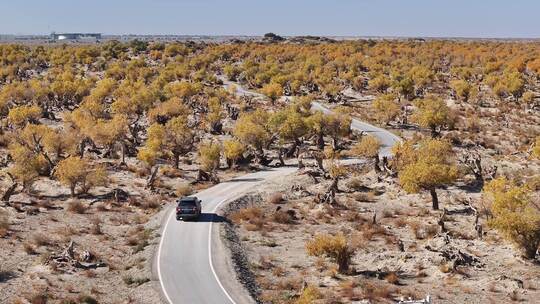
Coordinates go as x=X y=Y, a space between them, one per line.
x=210 y=254
x=159 y=255
x=172 y=212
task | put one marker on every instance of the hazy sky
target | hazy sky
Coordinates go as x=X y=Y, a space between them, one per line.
x=461 y=18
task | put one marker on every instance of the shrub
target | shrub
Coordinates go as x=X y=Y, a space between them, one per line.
x=514 y=214
x=96 y=226
x=309 y=295
x=275 y=198
x=334 y=247
x=40 y=298
x=282 y=217
x=41 y=239
x=21 y=115
x=87 y=300
x=183 y=189
x=129 y=280
x=247 y=214
x=392 y=278
x=29 y=248
x=77 y=207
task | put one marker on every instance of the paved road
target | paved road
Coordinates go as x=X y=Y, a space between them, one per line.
x=185 y=267
x=187 y=255
x=386 y=138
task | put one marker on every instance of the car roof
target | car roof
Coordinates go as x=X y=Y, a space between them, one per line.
x=188 y=199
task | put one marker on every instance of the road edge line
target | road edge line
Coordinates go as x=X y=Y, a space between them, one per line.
x=168 y=220
x=210 y=251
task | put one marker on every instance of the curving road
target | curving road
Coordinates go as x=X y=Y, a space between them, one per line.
x=189 y=264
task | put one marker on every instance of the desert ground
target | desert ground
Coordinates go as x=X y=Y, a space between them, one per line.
x=98 y=141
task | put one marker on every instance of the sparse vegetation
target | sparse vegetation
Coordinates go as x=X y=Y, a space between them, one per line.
x=335 y=247
x=515 y=215
x=128 y=126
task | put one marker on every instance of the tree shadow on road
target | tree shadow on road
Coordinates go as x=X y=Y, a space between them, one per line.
x=238 y=180
x=211 y=218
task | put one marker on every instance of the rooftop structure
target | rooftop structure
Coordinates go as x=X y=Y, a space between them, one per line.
x=75 y=36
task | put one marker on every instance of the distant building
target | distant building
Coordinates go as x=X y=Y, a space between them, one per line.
x=75 y=36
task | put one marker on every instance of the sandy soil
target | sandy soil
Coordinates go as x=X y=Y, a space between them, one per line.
x=381 y=272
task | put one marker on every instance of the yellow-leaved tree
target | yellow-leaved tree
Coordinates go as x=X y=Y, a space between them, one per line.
x=433 y=113
x=386 y=108
x=209 y=156
x=273 y=91
x=515 y=214
x=233 y=151
x=368 y=147
x=426 y=166
x=171 y=141
x=252 y=130
x=74 y=171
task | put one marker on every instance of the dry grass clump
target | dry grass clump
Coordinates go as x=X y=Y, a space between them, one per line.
x=282 y=217
x=171 y=172
x=309 y=295
x=40 y=239
x=445 y=268
x=139 y=238
x=370 y=230
x=183 y=189
x=29 y=248
x=423 y=231
x=374 y=291
x=150 y=203
x=392 y=278
x=278 y=271
x=77 y=207
x=276 y=198
x=366 y=197
x=347 y=290
x=294 y=283
x=356 y=184
x=38 y=298
x=252 y=218
x=95 y=227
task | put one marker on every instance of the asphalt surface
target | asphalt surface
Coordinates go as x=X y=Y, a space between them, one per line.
x=187 y=254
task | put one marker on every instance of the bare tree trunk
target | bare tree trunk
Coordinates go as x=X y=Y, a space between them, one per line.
x=9 y=192
x=123 y=146
x=434 y=133
x=441 y=221
x=434 y=198
x=152 y=179
x=176 y=160
x=376 y=164
x=320 y=141
x=280 y=157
